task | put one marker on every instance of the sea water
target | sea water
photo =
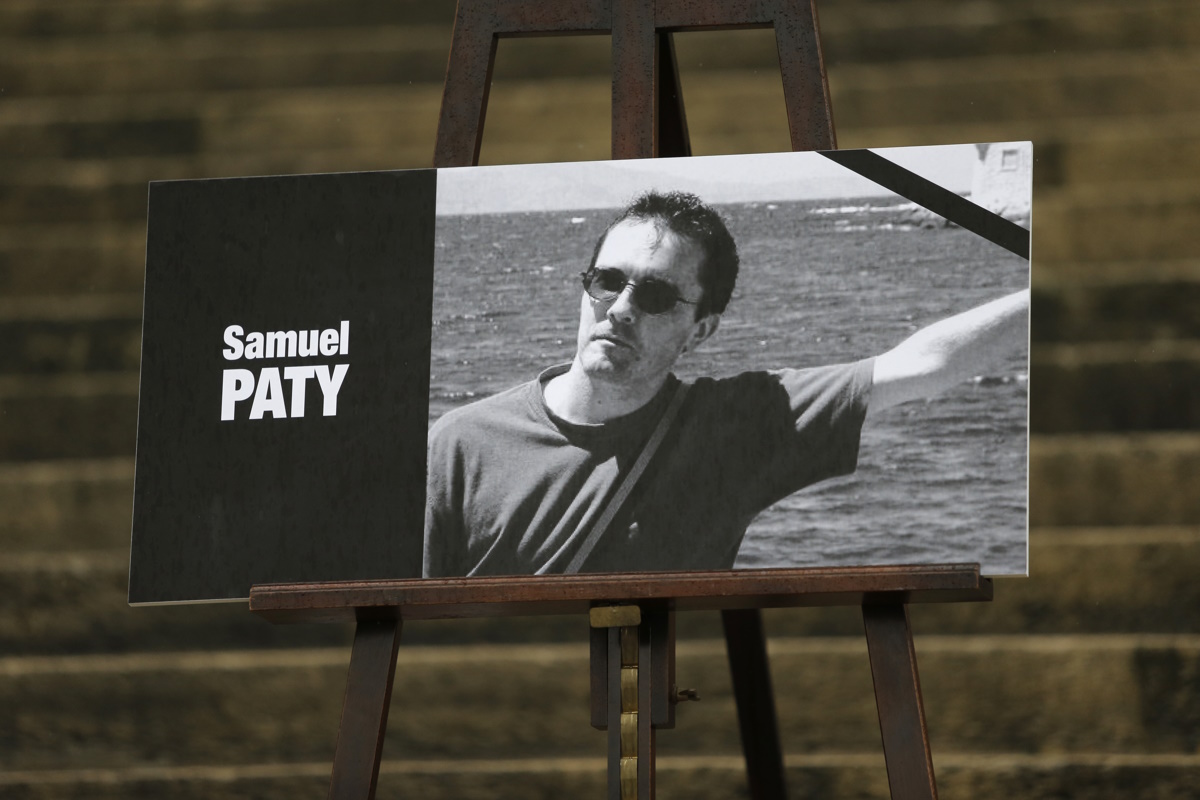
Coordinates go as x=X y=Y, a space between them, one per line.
x=938 y=481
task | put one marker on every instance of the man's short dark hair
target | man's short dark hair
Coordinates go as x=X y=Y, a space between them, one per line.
x=686 y=215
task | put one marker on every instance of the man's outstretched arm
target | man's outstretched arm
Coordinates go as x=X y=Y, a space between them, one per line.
x=950 y=351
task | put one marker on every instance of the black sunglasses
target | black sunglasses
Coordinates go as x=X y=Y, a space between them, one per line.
x=651 y=296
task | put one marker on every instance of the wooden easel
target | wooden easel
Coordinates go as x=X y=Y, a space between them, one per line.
x=380 y=607
x=632 y=616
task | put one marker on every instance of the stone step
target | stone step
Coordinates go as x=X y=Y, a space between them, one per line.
x=1083 y=581
x=79 y=600
x=395 y=126
x=882 y=32
x=1090 y=479
x=121 y=202
x=193 y=124
x=1127 y=386
x=1150 y=386
x=90 y=143
x=1079 y=152
x=1128 y=150
x=370 y=45
x=136 y=63
x=1110 y=479
x=1120 y=222
x=1010 y=93
x=1075 y=480
x=77 y=333
x=57 y=260
x=88 y=19
x=1111 y=694
x=1122 y=308
x=998 y=776
x=1072 y=165
x=1037 y=86
x=902 y=105
x=1110 y=21
x=68 y=416
x=64 y=506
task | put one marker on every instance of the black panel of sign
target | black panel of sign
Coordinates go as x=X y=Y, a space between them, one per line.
x=284 y=383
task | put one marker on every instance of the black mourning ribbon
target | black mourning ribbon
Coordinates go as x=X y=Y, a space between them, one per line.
x=938 y=199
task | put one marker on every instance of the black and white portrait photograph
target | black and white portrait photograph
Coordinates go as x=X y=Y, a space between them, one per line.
x=713 y=363
x=727 y=363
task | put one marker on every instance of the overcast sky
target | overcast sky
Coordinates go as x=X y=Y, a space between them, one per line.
x=716 y=179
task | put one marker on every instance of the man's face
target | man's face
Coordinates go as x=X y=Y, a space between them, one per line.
x=618 y=342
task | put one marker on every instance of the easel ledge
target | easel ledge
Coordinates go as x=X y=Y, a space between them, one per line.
x=457 y=598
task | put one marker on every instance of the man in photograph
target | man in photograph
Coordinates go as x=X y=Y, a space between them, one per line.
x=611 y=464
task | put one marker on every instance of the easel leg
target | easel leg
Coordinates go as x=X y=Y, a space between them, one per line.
x=468 y=83
x=365 y=710
x=898 y=699
x=805 y=88
x=747 y=647
x=633 y=61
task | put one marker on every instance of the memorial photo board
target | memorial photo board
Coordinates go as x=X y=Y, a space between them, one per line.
x=458 y=294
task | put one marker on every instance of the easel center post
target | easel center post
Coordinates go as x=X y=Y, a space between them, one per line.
x=627 y=685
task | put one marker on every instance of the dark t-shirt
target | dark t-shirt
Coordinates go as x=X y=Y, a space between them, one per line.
x=514 y=490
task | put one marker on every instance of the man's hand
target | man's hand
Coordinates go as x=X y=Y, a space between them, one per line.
x=948 y=352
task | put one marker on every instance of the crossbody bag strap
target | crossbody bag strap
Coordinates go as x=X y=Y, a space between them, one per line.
x=631 y=478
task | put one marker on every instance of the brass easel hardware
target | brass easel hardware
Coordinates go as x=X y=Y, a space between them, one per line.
x=629 y=688
x=614 y=616
x=629 y=647
x=629 y=778
x=629 y=722
x=629 y=709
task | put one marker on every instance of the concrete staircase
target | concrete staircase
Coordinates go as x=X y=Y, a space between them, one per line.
x=1082 y=681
